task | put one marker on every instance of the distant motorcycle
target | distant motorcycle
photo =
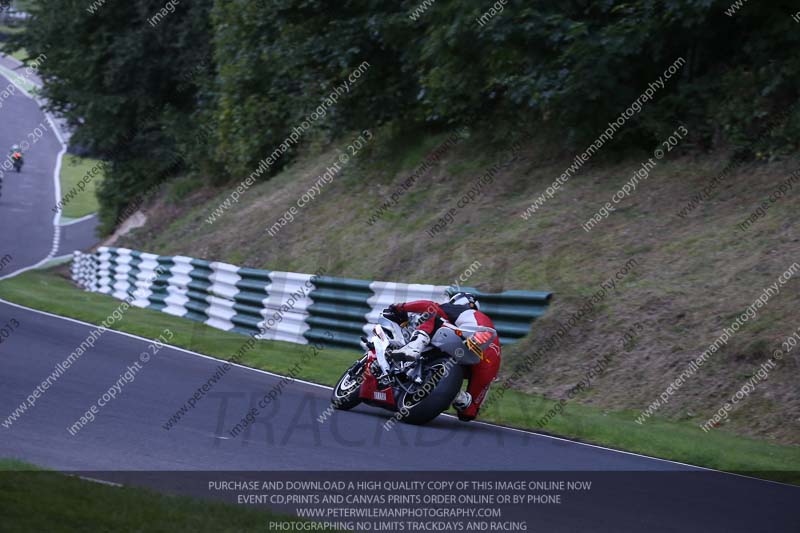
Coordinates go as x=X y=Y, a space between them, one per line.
x=418 y=391
x=17 y=160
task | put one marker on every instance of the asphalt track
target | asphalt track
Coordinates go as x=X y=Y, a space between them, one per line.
x=29 y=234
x=128 y=441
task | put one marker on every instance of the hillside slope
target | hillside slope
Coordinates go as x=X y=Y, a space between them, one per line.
x=678 y=275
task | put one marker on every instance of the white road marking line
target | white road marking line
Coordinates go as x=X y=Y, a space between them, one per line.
x=100 y=481
x=71 y=222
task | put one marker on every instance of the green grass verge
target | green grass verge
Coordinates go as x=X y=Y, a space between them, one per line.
x=73 y=170
x=680 y=441
x=24 y=5
x=42 y=500
x=50 y=292
x=20 y=81
x=11 y=30
x=20 y=55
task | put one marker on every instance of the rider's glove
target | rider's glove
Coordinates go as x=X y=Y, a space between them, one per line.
x=395 y=315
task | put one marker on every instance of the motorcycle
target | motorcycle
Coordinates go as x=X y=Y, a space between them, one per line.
x=417 y=391
x=16 y=159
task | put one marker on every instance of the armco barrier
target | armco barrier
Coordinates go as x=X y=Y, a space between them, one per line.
x=276 y=305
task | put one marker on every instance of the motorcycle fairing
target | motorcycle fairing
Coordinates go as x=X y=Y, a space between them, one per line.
x=371 y=393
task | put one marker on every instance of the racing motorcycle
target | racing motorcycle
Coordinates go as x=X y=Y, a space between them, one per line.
x=417 y=391
x=16 y=159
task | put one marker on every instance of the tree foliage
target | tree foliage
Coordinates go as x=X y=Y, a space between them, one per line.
x=222 y=83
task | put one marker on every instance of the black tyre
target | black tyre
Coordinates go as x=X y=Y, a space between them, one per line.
x=441 y=384
x=345 y=393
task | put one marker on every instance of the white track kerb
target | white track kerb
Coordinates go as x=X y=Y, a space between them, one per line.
x=285 y=306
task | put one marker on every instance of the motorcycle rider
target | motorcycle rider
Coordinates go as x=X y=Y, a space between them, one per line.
x=15 y=153
x=462 y=309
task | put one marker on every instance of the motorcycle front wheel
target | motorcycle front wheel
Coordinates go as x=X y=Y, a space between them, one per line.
x=441 y=382
x=345 y=393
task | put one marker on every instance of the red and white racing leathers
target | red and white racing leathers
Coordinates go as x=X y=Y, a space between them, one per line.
x=480 y=375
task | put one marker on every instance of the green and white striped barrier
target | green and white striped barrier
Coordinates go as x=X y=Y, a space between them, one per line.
x=285 y=306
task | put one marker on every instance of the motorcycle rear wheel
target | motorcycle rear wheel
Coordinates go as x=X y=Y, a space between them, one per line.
x=440 y=386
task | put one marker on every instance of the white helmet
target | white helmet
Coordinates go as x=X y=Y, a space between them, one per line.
x=465 y=298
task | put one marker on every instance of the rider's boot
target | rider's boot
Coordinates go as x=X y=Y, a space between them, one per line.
x=410 y=352
x=462 y=400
